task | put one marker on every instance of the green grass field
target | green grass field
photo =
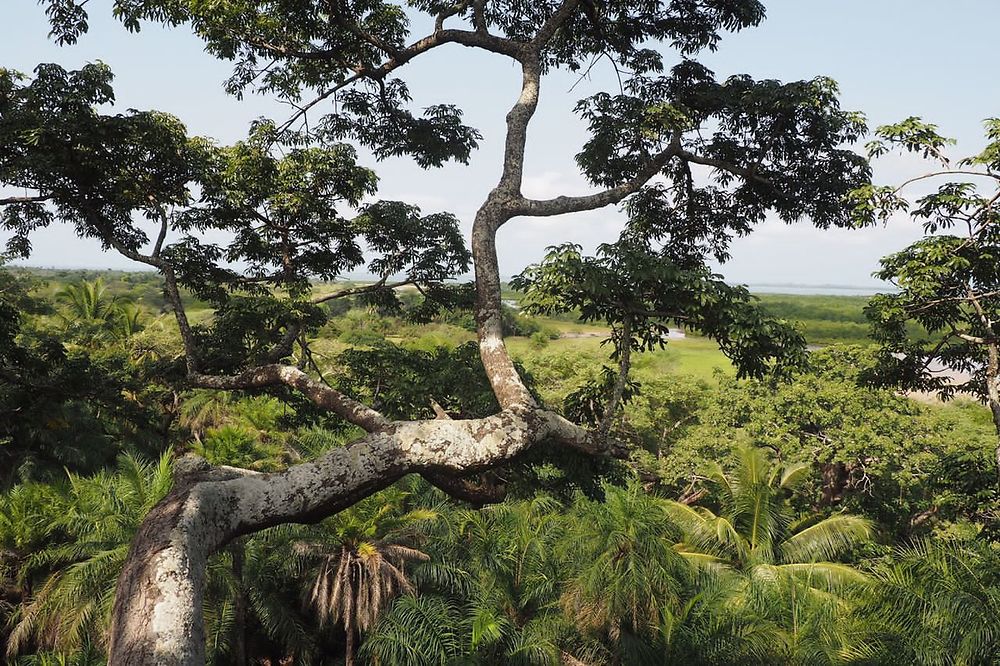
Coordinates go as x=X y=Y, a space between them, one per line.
x=822 y=319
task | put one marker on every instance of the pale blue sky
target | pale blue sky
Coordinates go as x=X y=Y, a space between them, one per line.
x=892 y=58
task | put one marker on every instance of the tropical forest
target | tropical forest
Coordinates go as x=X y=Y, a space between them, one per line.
x=293 y=391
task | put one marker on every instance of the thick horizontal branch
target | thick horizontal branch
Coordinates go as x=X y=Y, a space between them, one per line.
x=41 y=198
x=320 y=394
x=564 y=204
x=158 y=615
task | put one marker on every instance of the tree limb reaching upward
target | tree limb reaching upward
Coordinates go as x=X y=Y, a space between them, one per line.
x=281 y=195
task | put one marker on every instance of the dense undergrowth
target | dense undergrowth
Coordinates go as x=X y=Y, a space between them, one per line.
x=816 y=520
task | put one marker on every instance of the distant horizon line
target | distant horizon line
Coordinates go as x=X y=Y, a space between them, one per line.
x=870 y=287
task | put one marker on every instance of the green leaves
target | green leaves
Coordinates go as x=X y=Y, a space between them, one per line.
x=776 y=147
x=990 y=157
x=935 y=603
x=84 y=530
x=912 y=135
x=91 y=170
x=284 y=209
x=949 y=286
x=628 y=282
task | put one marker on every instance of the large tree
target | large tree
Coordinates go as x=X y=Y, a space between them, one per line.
x=941 y=330
x=695 y=161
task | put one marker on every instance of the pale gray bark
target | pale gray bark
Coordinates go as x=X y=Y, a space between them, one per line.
x=157 y=615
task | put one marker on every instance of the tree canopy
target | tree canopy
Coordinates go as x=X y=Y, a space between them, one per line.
x=693 y=160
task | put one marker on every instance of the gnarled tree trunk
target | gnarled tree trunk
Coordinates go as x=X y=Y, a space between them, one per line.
x=157 y=615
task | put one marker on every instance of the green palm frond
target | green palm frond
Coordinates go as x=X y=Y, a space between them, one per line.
x=416 y=630
x=824 y=575
x=86 y=545
x=935 y=603
x=827 y=539
x=794 y=474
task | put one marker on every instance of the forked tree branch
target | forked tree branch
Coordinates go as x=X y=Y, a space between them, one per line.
x=157 y=618
x=476 y=39
x=549 y=28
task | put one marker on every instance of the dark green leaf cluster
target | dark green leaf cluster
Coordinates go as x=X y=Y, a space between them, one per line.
x=92 y=170
x=877 y=453
x=771 y=146
x=292 y=214
x=376 y=117
x=61 y=404
x=401 y=382
x=948 y=282
x=622 y=30
x=290 y=47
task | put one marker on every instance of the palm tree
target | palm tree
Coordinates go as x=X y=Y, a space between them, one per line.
x=89 y=524
x=88 y=302
x=786 y=567
x=203 y=410
x=488 y=596
x=933 y=603
x=252 y=609
x=26 y=511
x=425 y=629
x=360 y=558
x=510 y=550
x=127 y=321
x=628 y=578
x=91 y=312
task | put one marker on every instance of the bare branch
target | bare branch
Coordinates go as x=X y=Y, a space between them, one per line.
x=319 y=394
x=983 y=317
x=926 y=305
x=745 y=173
x=469 y=38
x=563 y=205
x=548 y=29
x=162 y=236
x=180 y=315
x=340 y=15
x=946 y=172
x=518 y=118
x=284 y=346
x=367 y=289
x=439 y=411
x=164 y=574
x=27 y=199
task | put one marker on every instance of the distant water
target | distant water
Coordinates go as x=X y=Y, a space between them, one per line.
x=820 y=289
